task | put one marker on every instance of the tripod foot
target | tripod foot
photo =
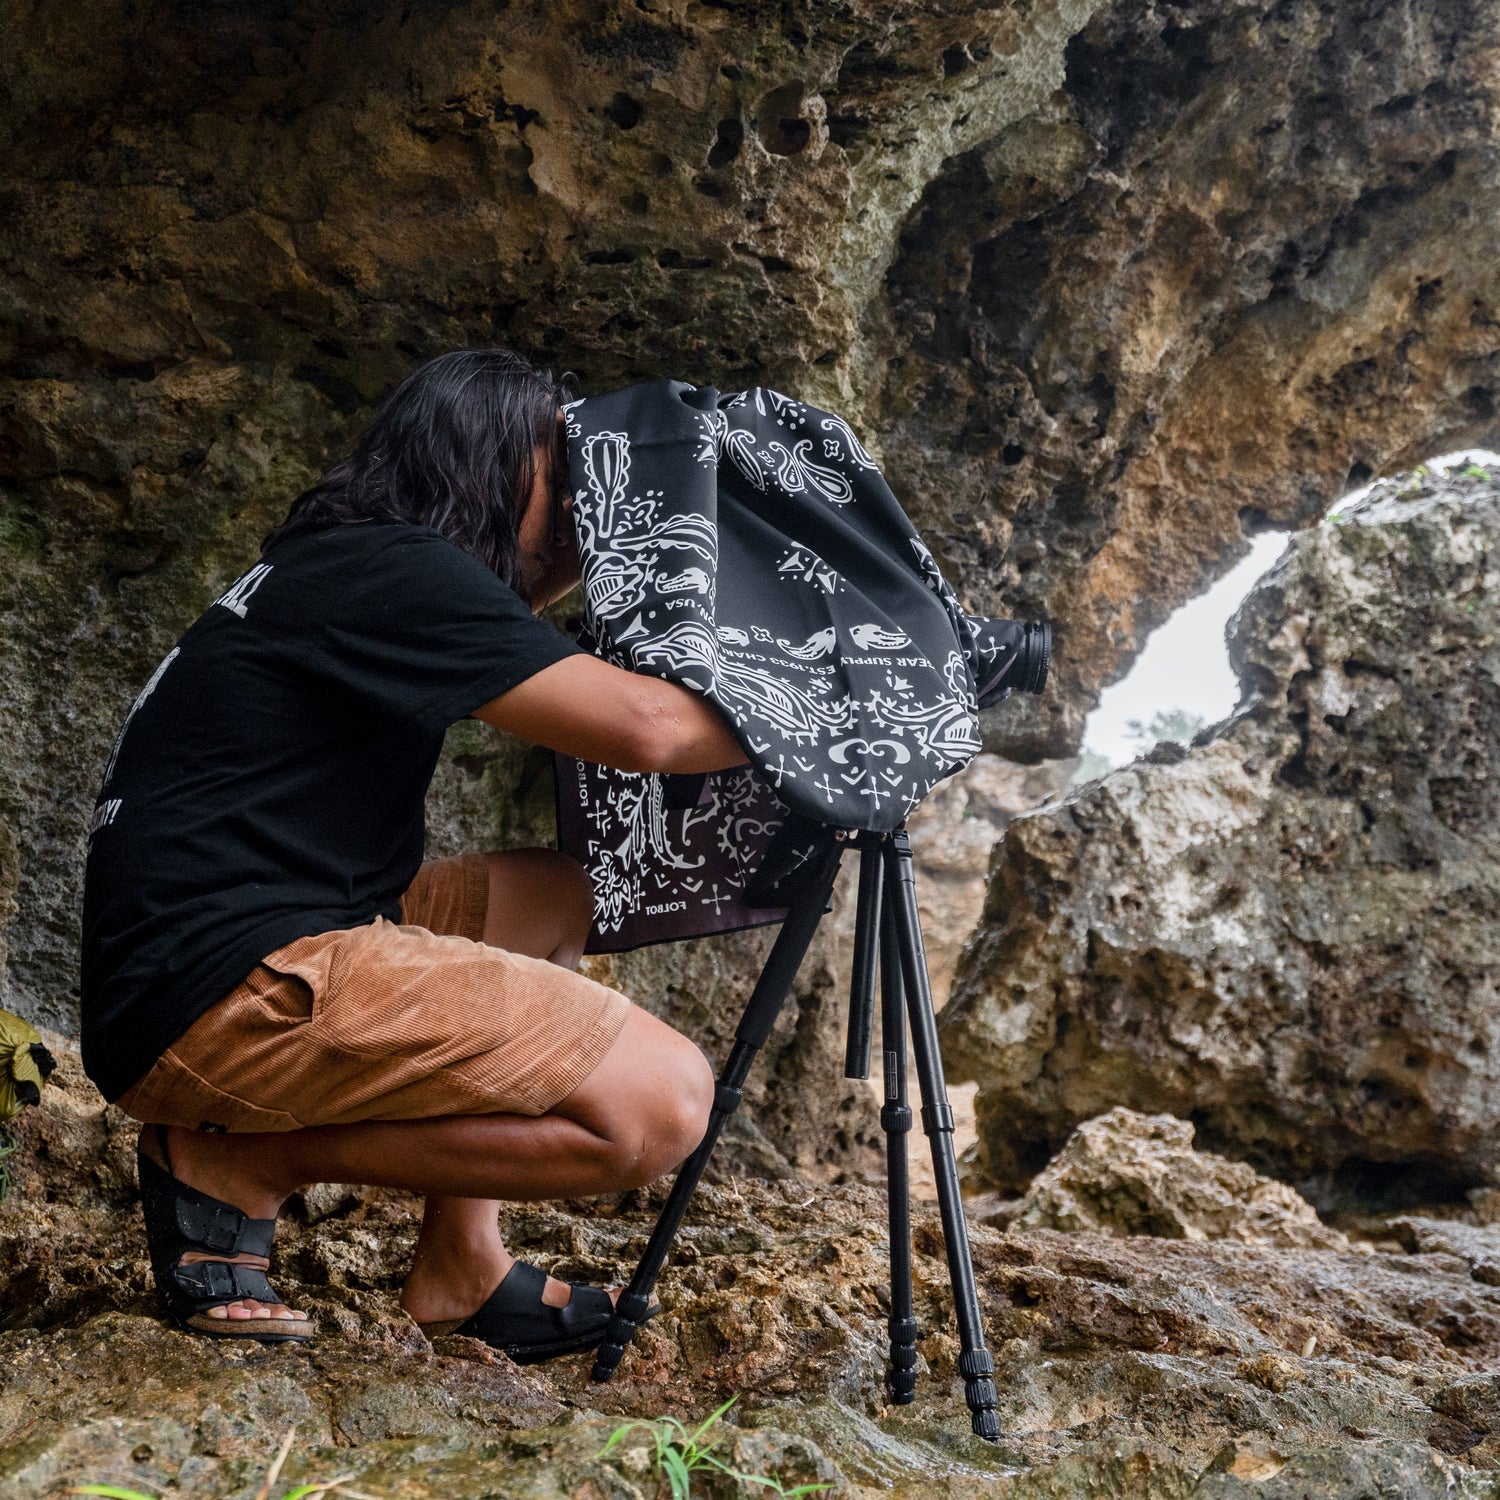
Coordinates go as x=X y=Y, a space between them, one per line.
x=630 y=1313
x=978 y=1369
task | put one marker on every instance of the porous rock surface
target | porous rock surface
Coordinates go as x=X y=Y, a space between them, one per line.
x=1108 y=285
x=1126 y=1173
x=953 y=832
x=1151 y=1368
x=1288 y=932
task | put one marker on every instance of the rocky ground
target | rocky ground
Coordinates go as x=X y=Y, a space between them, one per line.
x=1130 y=1365
x=1109 y=287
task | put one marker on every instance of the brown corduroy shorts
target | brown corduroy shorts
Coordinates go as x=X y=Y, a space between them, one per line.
x=388 y=1022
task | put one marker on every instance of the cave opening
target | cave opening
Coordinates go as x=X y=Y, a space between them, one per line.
x=1181 y=681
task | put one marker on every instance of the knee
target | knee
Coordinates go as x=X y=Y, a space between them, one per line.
x=691 y=1106
x=675 y=1122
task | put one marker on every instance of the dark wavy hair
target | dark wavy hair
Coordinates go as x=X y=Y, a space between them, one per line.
x=452 y=447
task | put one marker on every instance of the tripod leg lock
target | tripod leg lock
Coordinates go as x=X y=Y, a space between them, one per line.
x=938 y=1118
x=630 y=1313
x=903 y=1335
x=895 y=1119
x=901 y=1377
x=632 y=1308
x=977 y=1367
x=726 y=1098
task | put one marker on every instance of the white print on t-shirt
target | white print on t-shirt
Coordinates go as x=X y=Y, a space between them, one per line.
x=135 y=708
x=240 y=590
x=104 y=815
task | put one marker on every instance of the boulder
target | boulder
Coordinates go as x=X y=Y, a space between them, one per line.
x=1287 y=935
x=952 y=834
x=1125 y=1173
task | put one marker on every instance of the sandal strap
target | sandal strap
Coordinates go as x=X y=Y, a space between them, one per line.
x=180 y=1218
x=514 y=1313
x=210 y=1224
x=210 y=1282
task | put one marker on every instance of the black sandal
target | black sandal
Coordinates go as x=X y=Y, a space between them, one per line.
x=516 y=1321
x=178 y=1219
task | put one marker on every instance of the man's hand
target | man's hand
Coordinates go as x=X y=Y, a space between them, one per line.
x=588 y=709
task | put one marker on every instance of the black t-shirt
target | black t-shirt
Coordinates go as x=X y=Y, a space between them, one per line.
x=268 y=783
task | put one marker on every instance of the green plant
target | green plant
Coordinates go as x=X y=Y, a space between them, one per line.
x=1474 y=471
x=338 y=1484
x=7 y=1148
x=1165 y=724
x=679 y=1454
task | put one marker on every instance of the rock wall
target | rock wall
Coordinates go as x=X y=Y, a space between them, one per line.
x=1109 y=285
x=1288 y=933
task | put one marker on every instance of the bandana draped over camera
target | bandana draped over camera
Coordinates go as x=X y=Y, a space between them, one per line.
x=746 y=546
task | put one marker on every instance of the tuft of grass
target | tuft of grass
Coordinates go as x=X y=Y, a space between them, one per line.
x=7 y=1148
x=679 y=1454
x=338 y=1485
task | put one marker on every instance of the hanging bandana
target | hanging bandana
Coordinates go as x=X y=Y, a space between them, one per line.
x=747 y=547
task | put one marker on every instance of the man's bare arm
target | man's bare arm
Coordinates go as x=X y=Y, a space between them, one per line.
x=586 y=708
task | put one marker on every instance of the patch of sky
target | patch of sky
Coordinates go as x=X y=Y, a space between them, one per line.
x=1182 y=681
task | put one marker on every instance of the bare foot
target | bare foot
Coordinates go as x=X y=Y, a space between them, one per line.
x=208 y=1162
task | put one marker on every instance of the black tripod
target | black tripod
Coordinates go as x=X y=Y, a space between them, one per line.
x=886 y=925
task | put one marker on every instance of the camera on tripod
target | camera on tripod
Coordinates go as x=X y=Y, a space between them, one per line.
x=1021 y=652
x=748 y=547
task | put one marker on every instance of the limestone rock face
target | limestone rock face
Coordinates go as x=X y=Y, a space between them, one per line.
x=1125 y=1173
x=1289 y=935
x=1193 y=295
x=1152 y=1368
x=952 y=835
x=1107 y=286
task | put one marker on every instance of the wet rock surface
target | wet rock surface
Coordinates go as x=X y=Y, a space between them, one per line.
x=1287 y=935
x=1108 y=287
x=1142 y=1367
x=1125 y=1174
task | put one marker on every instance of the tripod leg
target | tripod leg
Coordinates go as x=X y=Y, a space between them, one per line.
x=750 y=1036
x=862 y=975
x=895 y=1120
x=974 y=1363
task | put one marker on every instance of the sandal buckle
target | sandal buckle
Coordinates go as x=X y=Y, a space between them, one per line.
x=222 y=1231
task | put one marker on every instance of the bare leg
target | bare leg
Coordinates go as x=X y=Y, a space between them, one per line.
x=540 y=904
x=637 y=1115
x=641 y=1111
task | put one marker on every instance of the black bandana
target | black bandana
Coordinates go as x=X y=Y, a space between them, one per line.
x=748 y=547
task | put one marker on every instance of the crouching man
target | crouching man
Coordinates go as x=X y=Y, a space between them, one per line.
x=273 y=981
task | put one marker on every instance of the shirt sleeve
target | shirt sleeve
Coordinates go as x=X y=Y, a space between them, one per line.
x=428 y=634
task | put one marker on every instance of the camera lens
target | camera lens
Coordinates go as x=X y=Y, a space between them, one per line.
x=1034 y=658
x=1014 y=657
